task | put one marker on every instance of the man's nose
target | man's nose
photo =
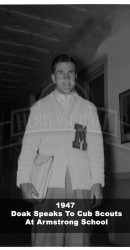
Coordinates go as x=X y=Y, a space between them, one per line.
x=66 y=76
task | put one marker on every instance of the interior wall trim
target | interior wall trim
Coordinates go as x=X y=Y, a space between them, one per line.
x=121 y=176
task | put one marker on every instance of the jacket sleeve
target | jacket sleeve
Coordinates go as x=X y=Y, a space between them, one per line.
x=30 y=145
x=95 y=146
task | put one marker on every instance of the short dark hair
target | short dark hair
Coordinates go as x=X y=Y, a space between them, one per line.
x=62 y=58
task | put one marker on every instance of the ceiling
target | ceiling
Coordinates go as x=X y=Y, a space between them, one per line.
x=32 y=35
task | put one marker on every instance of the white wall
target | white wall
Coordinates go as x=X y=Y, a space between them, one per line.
x=117 y=49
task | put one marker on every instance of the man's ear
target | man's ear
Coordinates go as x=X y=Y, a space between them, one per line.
x=53 y=78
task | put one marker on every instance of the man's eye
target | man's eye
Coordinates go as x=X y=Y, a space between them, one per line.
x=60 y=72
x=72 y=73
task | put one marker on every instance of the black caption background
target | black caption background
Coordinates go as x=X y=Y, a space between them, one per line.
x=16 y=224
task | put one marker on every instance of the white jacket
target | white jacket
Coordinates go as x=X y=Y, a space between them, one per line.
x=53 y=132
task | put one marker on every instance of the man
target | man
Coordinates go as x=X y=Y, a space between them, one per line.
x=65 y=126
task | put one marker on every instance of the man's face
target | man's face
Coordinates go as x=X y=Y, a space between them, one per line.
x=64 y=77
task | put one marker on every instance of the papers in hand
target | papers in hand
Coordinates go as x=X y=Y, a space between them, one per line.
x=41 y=174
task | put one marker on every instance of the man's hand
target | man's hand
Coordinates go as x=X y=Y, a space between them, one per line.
x=96 y=194
x=29 y=192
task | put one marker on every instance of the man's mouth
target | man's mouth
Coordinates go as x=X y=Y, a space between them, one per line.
x=67 y=84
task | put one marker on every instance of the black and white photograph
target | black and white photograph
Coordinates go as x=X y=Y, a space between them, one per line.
x=64 y=125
